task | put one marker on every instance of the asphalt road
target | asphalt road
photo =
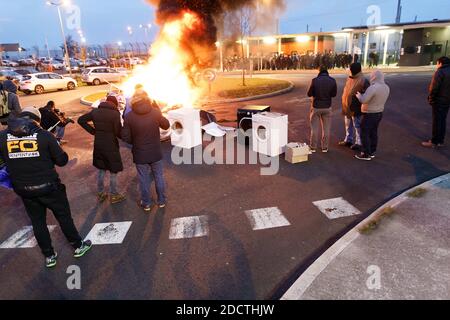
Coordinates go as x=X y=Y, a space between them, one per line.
x=232 y=261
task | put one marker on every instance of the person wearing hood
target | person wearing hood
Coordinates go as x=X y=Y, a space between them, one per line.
x=439 y=99
x=9 y=102
x=373 y=103
x=106 y=129
x=351 y=107
x=31 y=154
x=322 y=90
x=142 y=130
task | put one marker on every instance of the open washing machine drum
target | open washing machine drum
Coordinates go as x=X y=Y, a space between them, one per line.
x=261 y=133
x=177 y=128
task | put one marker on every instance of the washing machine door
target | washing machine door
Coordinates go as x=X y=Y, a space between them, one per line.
x=177 y=128
x=262 y=133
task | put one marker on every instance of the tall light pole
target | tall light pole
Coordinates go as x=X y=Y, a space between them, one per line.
x=399 y=12
x=146 y=28
x=58 y=5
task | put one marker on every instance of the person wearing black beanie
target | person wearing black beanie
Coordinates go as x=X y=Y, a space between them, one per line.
x=106 y=129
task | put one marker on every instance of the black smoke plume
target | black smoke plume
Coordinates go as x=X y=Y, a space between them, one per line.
x=208 y=11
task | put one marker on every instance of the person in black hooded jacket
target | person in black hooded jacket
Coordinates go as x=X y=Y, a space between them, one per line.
x=439 y=99
x=30 y=154
x=107 y=130
x=141 y=130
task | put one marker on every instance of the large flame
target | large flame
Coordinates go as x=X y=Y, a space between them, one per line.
x=168 y=75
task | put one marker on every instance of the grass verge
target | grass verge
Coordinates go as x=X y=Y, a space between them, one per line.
x=375 y=222
x=417 y=193
x=232 y=88
x=95 y=96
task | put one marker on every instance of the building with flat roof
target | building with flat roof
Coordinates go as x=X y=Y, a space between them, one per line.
x=405 y=44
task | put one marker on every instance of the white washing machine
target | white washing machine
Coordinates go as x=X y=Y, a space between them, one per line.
x=186 y=127
x=270 y=133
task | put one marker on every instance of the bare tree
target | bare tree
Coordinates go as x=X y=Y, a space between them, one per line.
x=241 y=24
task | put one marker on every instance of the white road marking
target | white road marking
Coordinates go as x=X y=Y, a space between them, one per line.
x=23 y=239
x=189 y=227
x=109 y=233
x=268 y=218
x=336 y=208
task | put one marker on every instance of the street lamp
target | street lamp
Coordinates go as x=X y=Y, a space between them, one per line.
x=119 y=43
x=58 y=5
x=146 y=27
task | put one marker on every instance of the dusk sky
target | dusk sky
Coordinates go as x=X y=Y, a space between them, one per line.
x=31 y=21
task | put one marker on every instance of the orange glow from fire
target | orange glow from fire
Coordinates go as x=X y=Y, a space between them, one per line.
x=167 y=77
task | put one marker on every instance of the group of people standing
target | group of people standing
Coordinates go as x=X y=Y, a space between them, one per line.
x=142 y=122
x=363 y=104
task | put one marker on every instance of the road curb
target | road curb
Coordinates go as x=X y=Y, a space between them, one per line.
x=296 y=291
x=262 y=96
x=83 y=100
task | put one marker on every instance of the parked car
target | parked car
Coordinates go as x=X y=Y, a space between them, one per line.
x=25 y=62
x=9 y=74
x=99 y=75
x=25 y=71
x=9 y=63
x=103 y=62
x=73 y=66
x=46 y=81
x=124 y=71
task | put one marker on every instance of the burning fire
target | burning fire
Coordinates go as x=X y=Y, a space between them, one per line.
x=168 y=75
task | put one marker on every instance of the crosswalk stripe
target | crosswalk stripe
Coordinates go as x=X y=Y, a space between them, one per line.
x=336 y=208
x=22 y=239
x=189 y=227
x=109 y=233
x=267 y=218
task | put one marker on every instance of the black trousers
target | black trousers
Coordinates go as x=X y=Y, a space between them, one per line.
x=439 y=123
x=57 y=202
x=369 y=132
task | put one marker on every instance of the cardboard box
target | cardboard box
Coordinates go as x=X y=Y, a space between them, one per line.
x=297 y=152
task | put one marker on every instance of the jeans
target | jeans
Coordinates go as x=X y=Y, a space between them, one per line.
x=59 y=132
x=37 y=211
x=320 y=125
x=146 y=174
x=101 y=182
x=353 y=130
x=369 y=132
x=440 y=114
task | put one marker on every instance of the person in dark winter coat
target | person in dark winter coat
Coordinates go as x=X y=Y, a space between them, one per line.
x=142 y=130
x=351 y=107
x=107 y=129
x=439 y=100
x=323 y=89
